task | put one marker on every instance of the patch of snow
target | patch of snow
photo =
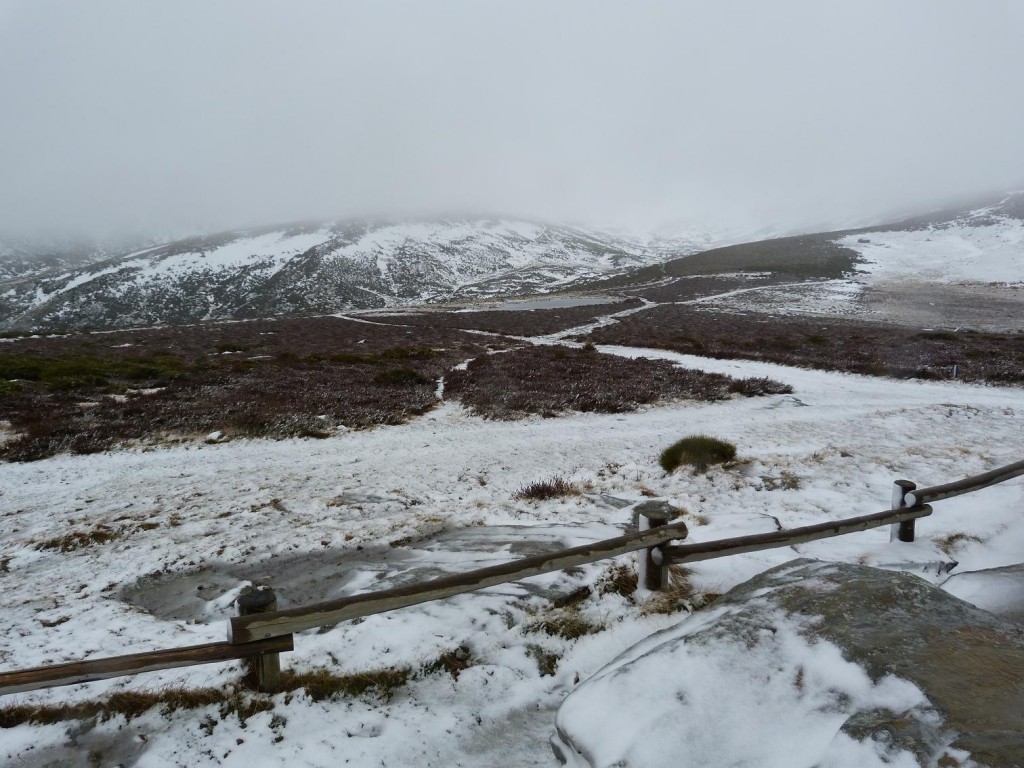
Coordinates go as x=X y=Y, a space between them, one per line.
x=992 y=253
x=774 y=700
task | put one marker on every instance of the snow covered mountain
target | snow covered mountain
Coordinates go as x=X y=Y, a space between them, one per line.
x=317 y=267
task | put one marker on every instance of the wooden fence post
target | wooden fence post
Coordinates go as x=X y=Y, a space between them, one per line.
x=652 y=572
x=263 y=671
x=902 y=531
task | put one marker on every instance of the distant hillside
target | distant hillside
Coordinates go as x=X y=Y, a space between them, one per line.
x=315 y=268
x=976 y=245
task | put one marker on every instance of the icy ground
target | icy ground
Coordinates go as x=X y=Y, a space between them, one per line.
x=362 y=510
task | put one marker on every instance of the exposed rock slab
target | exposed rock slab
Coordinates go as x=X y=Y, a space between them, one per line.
x=810 y=664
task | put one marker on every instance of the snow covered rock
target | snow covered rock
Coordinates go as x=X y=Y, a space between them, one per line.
x=809 y=664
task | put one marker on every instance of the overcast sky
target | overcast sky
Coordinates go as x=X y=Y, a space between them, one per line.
x=177 y=116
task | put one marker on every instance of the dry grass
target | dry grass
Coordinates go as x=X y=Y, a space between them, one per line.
x=951 y=543
x=73 y=540
x=321 y=684
x=679 y=595
x=547 y=662
x=131 y=704
x=567 y=623
x=318 y=685
x=543 y=490
x=453 y=662
x=787 y=481
x=619 y=579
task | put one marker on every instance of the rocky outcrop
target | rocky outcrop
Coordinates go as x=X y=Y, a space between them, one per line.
x=809 y=664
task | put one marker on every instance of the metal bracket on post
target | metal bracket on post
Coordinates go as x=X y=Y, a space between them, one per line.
x=263 y=671
x=902 y=531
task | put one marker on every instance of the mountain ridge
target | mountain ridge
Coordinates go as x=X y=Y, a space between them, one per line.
x=318 y=266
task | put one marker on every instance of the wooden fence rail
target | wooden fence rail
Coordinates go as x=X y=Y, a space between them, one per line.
x=261 y=633
x=967 y=485
x=692 y=553
x=74 y=672
x=244 y=629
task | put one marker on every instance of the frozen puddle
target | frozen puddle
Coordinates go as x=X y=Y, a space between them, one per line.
x=207 y=594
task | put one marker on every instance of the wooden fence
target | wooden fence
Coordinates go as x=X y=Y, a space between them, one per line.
x=261 y=632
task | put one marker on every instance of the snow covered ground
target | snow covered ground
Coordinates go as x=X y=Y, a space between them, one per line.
x=364 y=510
x=945 y=254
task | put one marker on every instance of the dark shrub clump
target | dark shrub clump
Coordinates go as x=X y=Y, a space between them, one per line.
x=542 y=490
x=699 y=451
x=757 y=386
x=551 y=380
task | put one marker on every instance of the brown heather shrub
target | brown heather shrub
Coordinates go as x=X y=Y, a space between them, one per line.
x=875 y=349
x=532 y=322
x=295 y=378
x=551 y=380
x=759 y=386
x=542 y=490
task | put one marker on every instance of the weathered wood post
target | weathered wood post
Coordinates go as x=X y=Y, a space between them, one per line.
x=902 y=531
x=652 y=573
x=263 y=671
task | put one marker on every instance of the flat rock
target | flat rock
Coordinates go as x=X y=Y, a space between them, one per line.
x=810 y=664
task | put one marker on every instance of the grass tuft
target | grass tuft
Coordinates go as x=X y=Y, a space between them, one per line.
x=619 y=579
x=949 y=544
x=759 y=386
x=699 y=451
x=567 y=623
x=69 y=542
x=542 y=490
x=322 y=684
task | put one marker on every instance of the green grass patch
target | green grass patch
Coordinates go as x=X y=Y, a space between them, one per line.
x=78 y=371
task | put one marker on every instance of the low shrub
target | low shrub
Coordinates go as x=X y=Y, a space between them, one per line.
x=757 y=386
x=400 y=377
x=548 y=381
x=699 y=451
x=542 y=490
x=565 y=623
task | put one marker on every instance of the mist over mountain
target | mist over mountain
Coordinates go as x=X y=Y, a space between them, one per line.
x=193 y=118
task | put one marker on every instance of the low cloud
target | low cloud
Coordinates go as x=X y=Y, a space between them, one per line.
x=177 y=117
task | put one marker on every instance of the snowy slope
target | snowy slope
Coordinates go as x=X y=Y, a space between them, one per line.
x=323 y=267
x=318 y=518
x=985 y=245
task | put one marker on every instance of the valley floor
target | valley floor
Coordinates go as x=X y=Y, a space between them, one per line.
x=190 y=525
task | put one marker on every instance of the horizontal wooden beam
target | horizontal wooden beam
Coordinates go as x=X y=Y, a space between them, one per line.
x=74 y=672
x=968 y=484
x=245 y=629
x=692 y=553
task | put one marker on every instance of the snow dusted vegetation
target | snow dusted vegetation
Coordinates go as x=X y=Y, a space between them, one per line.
x=481 y=675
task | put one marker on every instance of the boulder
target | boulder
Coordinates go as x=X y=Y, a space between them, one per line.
x=810 y=664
